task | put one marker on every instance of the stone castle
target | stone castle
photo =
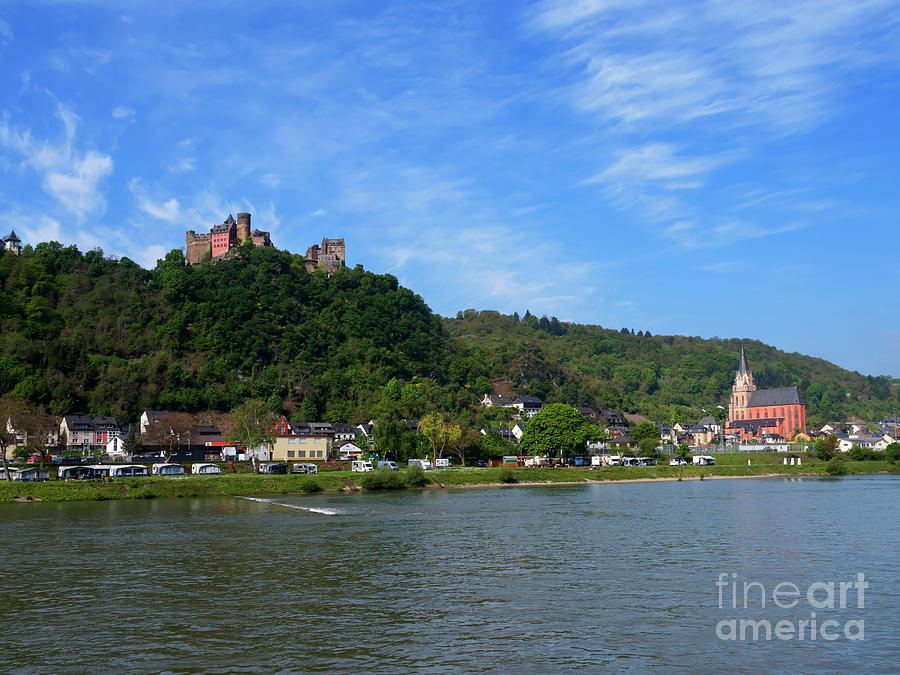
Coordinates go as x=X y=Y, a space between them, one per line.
x=222 y=239
x=329 y=256
x=228 y=236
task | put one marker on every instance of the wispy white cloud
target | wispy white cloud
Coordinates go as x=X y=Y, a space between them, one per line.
x=168 y=210
x=6 y=34
x=71 y=177
x=123 y=113
x=318 y=213
x=780 y=64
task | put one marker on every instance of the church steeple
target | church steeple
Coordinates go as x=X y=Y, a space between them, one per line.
x=742 y=389
x=742 y=366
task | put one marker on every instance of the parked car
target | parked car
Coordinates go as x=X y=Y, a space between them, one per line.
x=423 y=463
x=677 y=461
x=481 y=464
x=69 y=460
x=390 y=466
x=37 y=457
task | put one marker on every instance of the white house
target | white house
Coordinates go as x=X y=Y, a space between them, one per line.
x=497 y=401
x=115 y=448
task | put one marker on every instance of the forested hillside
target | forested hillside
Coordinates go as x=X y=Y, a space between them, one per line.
x=664 y=377
x=79 y=332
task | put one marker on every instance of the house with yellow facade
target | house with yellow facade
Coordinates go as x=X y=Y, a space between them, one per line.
x=307 y=441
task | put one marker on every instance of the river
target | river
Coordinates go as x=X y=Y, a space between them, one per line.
x=521 y=579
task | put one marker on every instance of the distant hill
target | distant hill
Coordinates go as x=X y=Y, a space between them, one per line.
x=660 y=376
x=79 y=332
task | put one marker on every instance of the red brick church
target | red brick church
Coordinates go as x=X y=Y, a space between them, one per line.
x=754 y=413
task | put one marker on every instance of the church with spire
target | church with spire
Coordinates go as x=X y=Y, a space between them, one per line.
x=754 y=413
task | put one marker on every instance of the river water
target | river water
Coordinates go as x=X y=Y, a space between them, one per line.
x=521 y=579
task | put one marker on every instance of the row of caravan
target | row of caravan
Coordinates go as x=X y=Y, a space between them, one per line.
x=86 y=471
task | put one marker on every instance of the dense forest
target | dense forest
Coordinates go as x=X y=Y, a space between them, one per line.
x=82 y=332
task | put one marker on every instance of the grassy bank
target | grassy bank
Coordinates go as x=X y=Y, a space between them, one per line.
x=727 y=465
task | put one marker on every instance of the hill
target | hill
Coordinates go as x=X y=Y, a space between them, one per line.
x=80 y=332
x=663 y=377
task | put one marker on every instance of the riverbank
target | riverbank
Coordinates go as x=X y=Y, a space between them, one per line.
x=732 y=465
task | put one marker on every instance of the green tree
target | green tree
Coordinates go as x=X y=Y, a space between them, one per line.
x=648 y=446
x=438 y=432
x=252 y=422
x=684 y=450
x=645 y=430
x=494 y=445
x=557 y=430
x=827 y=448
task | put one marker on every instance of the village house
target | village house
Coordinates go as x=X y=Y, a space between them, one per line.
x=497 y=401
x=528 y=405
x=303 y=441
x=87 y=433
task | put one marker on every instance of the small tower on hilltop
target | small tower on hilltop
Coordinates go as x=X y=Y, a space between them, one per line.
x=12 y=243
x=741 y=390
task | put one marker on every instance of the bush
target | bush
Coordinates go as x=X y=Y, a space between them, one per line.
x=381 y=480
x=856 y=453
x=836 y=467
x=310 y=485
x=507 y=476
x=892 y=452
x=415 y=477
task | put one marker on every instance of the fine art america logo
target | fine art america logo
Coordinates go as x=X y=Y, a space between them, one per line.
x=817 y=604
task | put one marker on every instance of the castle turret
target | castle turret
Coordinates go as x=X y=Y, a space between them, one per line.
x=243 y=227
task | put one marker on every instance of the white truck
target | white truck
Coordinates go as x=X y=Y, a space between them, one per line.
x=424 y=463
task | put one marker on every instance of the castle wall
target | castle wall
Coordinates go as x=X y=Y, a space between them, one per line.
x=196 y=247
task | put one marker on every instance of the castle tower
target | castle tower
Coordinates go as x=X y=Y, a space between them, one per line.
x=741 y=390
x=243 y=227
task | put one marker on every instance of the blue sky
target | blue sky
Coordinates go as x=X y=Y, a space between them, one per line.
x=702 y=168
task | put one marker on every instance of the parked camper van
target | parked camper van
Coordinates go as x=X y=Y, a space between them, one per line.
x=361 y=465
x=304 y=468
x=126 y=470
x=273 y=468
x=167 y=469
x=390 y=466
x=205 y=469
x=441 y=463
x=423 y=463
x=704 y=460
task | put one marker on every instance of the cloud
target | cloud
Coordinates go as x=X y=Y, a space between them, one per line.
x=148 y=256
x=657 y=162
x=168 y=210
x=122 y=113
x=184 y=165
x=6 y=34
x=780 y=65
x=77 y=188
x=69 y=176
x=270 y=180
x=318 y=213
